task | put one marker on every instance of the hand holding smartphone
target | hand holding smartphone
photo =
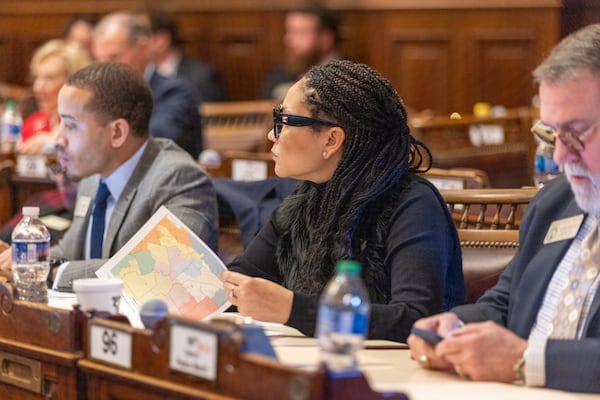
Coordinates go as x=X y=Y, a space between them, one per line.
x=430 y=337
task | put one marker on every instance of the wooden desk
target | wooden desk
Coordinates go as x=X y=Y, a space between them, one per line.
x=392 y=370
x=177 y=362
x=39 y=350
x=36 y=372
x=403 y=374
x=502 y=146
x=386 y=365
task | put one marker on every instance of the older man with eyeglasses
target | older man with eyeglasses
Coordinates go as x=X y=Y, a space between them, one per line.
x=540 y=325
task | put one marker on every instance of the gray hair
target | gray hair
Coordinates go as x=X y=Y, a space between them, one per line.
x=576 y=54
x=132 y=25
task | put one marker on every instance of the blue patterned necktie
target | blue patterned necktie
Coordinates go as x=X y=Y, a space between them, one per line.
x=98 y=220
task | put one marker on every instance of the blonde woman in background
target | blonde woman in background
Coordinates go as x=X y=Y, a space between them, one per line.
x=50 y=66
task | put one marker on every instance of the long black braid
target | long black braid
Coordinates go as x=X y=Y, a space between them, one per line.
x=378 y=151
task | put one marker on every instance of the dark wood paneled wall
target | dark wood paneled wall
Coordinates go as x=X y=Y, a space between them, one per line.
x=577 y=13
x=440 y=54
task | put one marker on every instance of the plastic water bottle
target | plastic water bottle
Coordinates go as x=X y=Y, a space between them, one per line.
x=343 y=318
x=10 y=134
x=30 y=263
x=544 y=166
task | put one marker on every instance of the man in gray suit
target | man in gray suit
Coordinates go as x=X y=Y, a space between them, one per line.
x=103 y=139
x=540 y=324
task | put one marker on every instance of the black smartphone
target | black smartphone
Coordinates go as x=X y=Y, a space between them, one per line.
x=428 y=336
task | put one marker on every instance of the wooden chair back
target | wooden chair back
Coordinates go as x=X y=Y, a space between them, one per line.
x=487 y=221
x=458 y=178
x=243 y=166
x=502 y=146
x=236 y=125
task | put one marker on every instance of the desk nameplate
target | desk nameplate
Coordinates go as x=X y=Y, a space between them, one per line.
x=194 y=351
x=111 y=343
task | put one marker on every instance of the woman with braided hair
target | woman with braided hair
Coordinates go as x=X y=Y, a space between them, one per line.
x=342 y=130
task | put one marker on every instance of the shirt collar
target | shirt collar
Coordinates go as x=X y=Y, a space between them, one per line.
x=149 y=71
x=117 y=181
x=169 y=66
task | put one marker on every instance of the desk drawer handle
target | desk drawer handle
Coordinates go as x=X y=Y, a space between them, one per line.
x=20 y=371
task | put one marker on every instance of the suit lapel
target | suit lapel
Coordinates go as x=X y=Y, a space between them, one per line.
x=537 y=276
x=124 y=203
x=81 y=219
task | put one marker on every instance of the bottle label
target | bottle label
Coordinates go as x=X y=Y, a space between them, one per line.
x=546 y=164
x=342 y=321
x=26 y=252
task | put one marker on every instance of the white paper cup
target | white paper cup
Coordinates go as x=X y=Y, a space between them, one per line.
x=100 y=294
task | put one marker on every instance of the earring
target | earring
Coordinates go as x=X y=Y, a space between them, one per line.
x=325 y=155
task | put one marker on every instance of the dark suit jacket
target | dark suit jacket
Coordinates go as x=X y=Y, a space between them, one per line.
x=275 y=77
x=204 y=77
x=516 y=299
x=253 y=202
x=165 y=175
x=175 y=114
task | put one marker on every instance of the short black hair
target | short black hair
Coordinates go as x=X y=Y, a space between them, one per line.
x=118 y=91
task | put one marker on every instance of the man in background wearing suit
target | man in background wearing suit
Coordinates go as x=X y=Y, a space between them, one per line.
x=168 y=56
x=124 y=37
x=540 y=324
x=311 y=38
x=103 y=138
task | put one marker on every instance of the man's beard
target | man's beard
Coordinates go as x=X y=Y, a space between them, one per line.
x=587 y=195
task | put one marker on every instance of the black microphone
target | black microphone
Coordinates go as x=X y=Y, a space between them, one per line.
x=152 y=311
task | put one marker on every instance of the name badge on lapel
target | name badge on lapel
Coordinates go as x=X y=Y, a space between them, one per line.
x=563 y=229
x=81 y=208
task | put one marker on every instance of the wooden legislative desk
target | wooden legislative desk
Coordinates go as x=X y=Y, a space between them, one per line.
x=161 y=366
x=39 y=350
x=392 y=370
x=67 y=355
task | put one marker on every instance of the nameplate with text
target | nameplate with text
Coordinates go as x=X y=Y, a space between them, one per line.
x=194 y=351
x=32 y=165
x=249 y=170
x=111 y=345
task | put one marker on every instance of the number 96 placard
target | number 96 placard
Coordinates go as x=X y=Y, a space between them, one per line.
x=111 y=345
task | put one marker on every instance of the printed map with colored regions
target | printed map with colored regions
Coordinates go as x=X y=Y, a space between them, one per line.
x=166 y=260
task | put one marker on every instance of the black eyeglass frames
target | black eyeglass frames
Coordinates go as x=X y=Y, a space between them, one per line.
x=280 y=119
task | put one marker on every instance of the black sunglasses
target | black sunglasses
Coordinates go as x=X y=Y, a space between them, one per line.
x=280 y=119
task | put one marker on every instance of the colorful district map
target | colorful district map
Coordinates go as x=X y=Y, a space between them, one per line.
x=166 y=260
